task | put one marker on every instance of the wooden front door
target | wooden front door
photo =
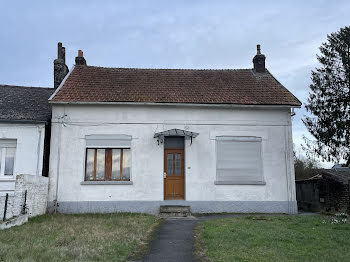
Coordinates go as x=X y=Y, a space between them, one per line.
x=174 y=174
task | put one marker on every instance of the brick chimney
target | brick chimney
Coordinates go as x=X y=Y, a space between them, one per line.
x=80 y=60
x=259 y=61
x=60 y=69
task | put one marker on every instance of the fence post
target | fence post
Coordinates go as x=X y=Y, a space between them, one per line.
x=5 y=207
x=24 y=207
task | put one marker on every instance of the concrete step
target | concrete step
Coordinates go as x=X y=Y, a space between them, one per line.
x=177 y=214
x=174 y=208
x=174 y=211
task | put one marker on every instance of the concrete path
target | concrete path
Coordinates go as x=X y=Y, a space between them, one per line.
x=173 y=242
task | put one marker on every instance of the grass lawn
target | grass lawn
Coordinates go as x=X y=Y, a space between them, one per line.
x=88 y=237
x=273 y=238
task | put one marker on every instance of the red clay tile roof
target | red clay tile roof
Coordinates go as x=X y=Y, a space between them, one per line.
x=242 y=86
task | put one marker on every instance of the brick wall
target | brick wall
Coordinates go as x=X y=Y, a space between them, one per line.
x=335 y=194
x=36 y=203
x=323 y=195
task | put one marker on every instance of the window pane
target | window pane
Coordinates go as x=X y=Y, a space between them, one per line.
x=178 y=164
x=9 y=160
x=172 y=142
x=100 y=164
x=170 y=163
x=90 y=158
x=126 y=164
x=116 y=164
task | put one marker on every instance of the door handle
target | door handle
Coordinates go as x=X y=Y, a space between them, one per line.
x=164 y=174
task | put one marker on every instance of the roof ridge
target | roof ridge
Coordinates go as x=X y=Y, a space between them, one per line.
x=17 y=86
x=170 y=69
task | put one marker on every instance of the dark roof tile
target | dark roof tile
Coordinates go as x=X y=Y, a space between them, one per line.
x=22 y=103
x=339 y=174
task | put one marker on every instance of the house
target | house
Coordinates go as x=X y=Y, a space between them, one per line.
x=329 y=190
x=132 y=140
x=25 y=132
x=25 y=123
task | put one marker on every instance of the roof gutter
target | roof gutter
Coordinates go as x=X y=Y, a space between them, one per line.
x=174 y=104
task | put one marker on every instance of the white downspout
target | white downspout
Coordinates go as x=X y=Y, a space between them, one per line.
x=289 y=168
x=40 y=129
x=60 y=123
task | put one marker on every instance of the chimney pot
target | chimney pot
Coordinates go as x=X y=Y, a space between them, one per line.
x=80 y=60
x=63 y=52
x=59 y=48
x=258 y=50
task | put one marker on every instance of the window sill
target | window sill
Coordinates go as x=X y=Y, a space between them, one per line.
x=7 y=179
x=239 y=183
x=106 y=183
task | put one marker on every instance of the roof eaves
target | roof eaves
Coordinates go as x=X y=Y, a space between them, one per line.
x=24 y=121
x=175 y=104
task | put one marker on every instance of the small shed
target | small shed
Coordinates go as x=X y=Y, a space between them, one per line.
x=327 y=191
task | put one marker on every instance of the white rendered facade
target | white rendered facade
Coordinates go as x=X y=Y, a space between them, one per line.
x=27 y=142
x=72 y=124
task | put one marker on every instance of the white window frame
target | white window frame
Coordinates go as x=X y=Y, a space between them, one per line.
x=4 y=144
x=107 y=142
x=240 y=139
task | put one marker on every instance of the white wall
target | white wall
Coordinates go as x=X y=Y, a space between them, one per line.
x=141 y=122
x=30 y=139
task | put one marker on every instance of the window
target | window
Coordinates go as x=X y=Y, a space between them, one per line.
x=238 y=160
x=7 y=156
x=107 y=164
x=108 y=158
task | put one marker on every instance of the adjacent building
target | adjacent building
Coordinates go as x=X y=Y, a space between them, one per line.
x=25 y=133
x=328 y=191
x=25 y=124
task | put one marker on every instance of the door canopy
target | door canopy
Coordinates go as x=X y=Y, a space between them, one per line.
x=175 y=132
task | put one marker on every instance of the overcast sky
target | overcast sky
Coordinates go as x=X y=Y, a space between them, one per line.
x=168 y=34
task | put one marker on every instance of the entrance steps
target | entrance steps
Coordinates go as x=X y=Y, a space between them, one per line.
x=174 y=211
